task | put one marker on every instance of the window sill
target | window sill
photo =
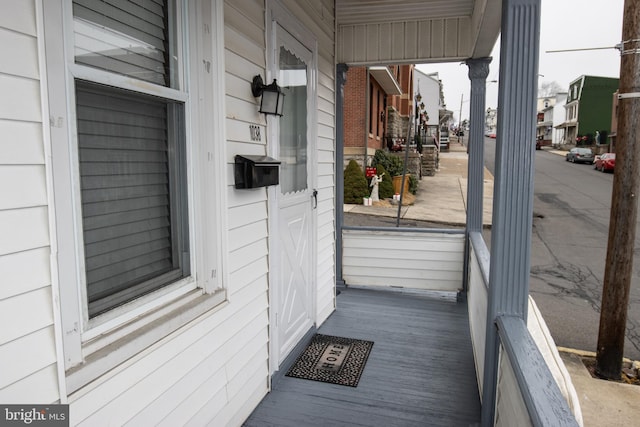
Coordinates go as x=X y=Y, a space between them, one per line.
x=171 y=318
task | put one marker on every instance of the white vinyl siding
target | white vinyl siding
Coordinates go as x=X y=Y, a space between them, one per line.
x=186 y=374
x=429 y=261
x=27 y=343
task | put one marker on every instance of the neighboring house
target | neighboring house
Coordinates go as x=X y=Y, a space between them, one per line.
x=558 y=118
x=491 y=121
x=143 y=285
x=544 y=125
x=376 y=118
x=429 y=86
x=588 y=110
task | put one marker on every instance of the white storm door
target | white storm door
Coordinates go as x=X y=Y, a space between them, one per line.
x=293 y=280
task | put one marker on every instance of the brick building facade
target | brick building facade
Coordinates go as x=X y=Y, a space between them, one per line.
x=375 y=114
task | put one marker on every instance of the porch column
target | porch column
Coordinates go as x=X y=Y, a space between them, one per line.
x=478 y=71
x=341 y=79
x=514 y=178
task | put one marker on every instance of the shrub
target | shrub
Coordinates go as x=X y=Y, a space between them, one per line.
x=355 y=184
x=392 y=164
x=413 y=184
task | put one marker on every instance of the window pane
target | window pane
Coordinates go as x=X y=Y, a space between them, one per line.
x=133 y=38
x=133 y=188
x=293 y=123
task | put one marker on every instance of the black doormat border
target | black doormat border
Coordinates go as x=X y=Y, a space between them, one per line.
x=352 y=367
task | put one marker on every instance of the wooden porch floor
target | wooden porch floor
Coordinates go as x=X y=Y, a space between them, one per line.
x=420 y=371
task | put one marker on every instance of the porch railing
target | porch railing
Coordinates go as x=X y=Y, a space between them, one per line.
x=533 y=386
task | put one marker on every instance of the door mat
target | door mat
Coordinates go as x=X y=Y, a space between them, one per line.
x=333 y=360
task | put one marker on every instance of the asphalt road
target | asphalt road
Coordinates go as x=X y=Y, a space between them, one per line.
x=569 y=244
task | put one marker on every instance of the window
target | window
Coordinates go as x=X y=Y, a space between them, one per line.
x=126 y=167
x=371 y=108
x=131 y=151
x=132 y=171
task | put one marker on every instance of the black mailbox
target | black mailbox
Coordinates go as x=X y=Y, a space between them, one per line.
x=256 y=171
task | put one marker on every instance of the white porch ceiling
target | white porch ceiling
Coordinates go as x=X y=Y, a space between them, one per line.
x=415 y=31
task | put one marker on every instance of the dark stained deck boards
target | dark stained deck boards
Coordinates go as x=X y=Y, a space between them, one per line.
x=420 y=371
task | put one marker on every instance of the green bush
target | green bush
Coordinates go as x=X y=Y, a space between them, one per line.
x=355 y=184
x=385 y=188
x=392 y=164
x=413 y=184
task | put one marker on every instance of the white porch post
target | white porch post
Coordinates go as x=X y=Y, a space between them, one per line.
x=514 y=178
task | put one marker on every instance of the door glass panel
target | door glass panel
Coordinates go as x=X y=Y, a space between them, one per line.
x=293 y=124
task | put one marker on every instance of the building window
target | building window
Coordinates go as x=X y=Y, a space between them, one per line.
x=371 y=109
x=132 y=169
x=131 y=152
x=125 y=167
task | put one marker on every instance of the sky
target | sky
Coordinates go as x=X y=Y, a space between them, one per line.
x=564 y=24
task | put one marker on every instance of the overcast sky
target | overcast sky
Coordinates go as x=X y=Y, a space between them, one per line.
x=565 y=24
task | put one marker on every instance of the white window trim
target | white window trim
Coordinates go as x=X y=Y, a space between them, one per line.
x=137 y=325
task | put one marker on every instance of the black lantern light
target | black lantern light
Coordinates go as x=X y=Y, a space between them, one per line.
x=272 y=97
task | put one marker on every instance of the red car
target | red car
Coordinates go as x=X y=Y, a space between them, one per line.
x=605 y=162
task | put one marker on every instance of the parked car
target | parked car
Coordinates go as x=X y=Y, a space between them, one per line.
x=605 y=162
x=580 y=155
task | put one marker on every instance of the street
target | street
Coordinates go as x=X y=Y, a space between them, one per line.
x=569 y=244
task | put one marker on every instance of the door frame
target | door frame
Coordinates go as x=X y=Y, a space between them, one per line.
x=276 y=14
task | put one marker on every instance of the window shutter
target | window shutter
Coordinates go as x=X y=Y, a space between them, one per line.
x=127 y=181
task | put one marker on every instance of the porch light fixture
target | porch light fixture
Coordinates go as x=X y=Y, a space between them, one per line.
x=272 y=96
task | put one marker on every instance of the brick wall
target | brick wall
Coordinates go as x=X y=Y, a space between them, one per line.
x=354 y=107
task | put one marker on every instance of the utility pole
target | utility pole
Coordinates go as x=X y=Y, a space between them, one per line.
x=624 y=203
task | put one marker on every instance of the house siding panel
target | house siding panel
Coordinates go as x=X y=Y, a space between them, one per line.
x=21 y=143
x=43 y=356
x=31 y=191
x=19 y=54
x=21 y=98
x=19 y=16
x=23 y=229
x=24 y=271
x=364 y=264
x=27 y=346
x=215 y=340
x=41 y=386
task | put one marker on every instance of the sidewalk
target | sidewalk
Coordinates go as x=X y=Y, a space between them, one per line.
x=442 y=199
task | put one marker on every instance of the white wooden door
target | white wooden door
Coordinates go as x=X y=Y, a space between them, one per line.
x=293 y=250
